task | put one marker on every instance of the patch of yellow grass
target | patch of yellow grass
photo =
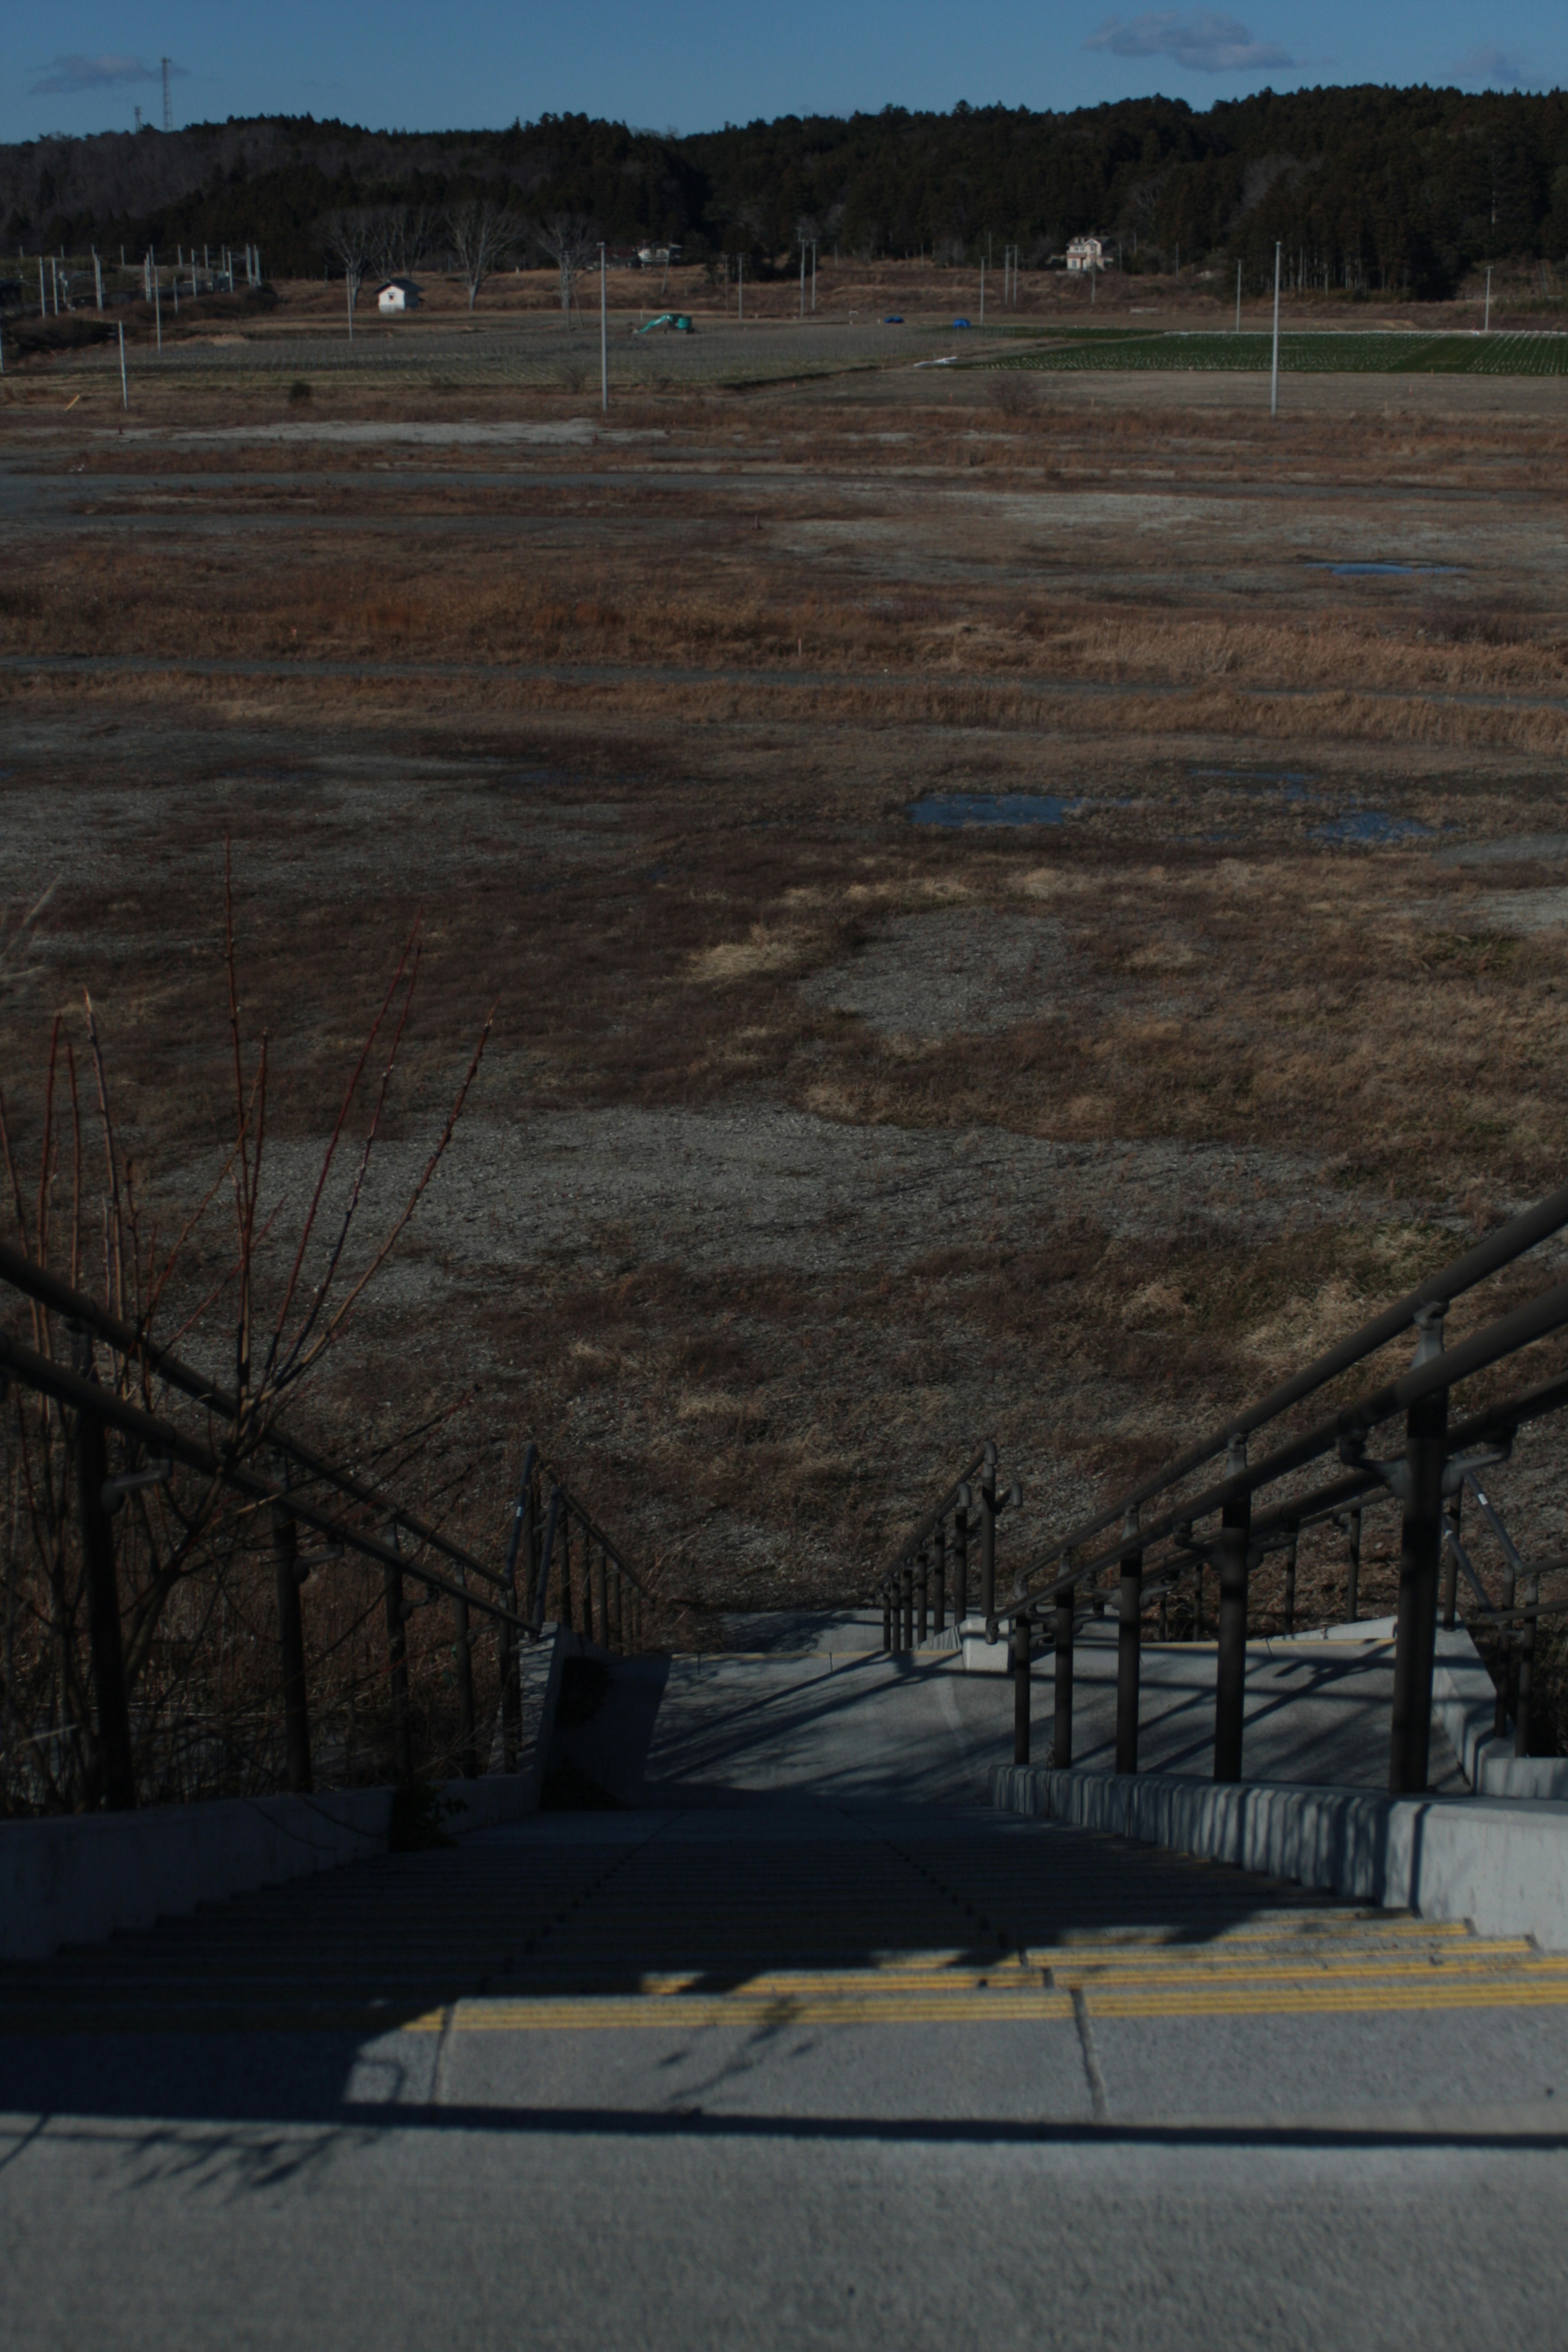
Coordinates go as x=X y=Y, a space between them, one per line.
x=752 y=958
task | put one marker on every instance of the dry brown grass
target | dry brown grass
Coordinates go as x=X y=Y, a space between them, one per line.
x=1227 y=978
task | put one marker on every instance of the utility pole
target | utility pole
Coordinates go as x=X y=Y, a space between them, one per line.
x=1274 y=373
x=741 y=293
x=803 y=278
x=1487 y=324
x=97 y=277
x=814 y=278
x=157 y=301
x=124 y=387
x=603 y=335
x=168 y=103
x=1238 y=298
x=982 y=289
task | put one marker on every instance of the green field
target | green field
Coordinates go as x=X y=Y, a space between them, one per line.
x=1326 y=354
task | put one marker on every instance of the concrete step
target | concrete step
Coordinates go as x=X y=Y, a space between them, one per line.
x=793 y=1914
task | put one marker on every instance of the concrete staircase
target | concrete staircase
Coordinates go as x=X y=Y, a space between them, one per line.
x=791 y=1836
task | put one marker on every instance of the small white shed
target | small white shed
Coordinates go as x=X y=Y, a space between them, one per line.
x=397 y=294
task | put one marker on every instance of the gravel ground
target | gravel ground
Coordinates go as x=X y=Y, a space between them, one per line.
x=759 y=1186
x=946 y=974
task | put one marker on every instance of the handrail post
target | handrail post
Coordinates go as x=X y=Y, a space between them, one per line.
x=1352 y=1566
x=922 y=1597
x=1061 y=1727
x=463 y=1666
x=530 y=1544
x=907 y=1631
x=1525 y=1636
x=541 y=1583
x=1129 y=1659
x=888 y=1619
x=1291 y=1584
x=988 y=1538
x=939 y=1577
x=1021 y=1631
x=1450 y=1604
x=566 y=1617
x=1230 y=1662
x=1420 y=1558
x=508 y=1646
x=602 y=1595
x=961 y=1555
x=103 y=1582
x=291 y=1651
x=397 y=1668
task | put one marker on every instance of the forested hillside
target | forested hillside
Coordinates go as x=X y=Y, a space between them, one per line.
x=1373 y=189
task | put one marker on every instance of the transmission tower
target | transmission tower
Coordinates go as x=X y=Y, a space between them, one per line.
x=168 y=103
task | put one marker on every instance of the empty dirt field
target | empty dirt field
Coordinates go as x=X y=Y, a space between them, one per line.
x=1014 y=904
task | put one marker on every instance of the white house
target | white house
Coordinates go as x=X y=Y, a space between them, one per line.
x=1086 y=253
x=397 y=294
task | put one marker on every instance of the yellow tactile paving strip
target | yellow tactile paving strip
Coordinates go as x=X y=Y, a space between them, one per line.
x=638 y=1938
x=1458 y=1971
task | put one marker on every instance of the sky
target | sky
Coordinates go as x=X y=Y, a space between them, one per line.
x=85 y=65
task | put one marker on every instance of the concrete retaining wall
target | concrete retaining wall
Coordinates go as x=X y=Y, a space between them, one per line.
x=1495 y=1861
x=1464 y=1702
x=77 y=1880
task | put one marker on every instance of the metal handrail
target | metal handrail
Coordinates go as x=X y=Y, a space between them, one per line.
x=1072 y=1576
x=934 y=1518
x=1511 y=1241
x=226 y=1458
x=36 y=1371
x=1536 y=1319
x=35 y=1282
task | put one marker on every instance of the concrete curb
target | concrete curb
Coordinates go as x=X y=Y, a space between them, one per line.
x=1494 y=1860
x=76 y=1881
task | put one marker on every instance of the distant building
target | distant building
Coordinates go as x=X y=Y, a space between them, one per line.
x=1086 y=253
x=654 y=257
x=397 y=294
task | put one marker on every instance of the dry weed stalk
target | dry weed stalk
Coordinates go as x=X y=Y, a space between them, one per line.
x=195 y=1577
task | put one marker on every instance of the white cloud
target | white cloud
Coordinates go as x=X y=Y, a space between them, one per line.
x=1495 y=67
x=67 y=77
x=1197 y=39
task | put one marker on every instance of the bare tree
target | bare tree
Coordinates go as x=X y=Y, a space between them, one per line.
x=186 y=1545
x=570 y=240
x=402 y=237
x=481 y=234
x=348 y=237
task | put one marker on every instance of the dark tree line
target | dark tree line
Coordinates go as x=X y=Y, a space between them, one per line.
x=1368 y=189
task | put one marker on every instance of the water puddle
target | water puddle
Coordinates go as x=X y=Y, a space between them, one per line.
x=1289 y=784
x=1382 y=571
x=993 y=808
x=522 y=779
x=1372 y=828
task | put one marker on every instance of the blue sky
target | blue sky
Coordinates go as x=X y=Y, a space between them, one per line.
x=85 y=65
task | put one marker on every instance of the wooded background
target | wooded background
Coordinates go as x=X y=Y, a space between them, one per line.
x=1372 y=190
